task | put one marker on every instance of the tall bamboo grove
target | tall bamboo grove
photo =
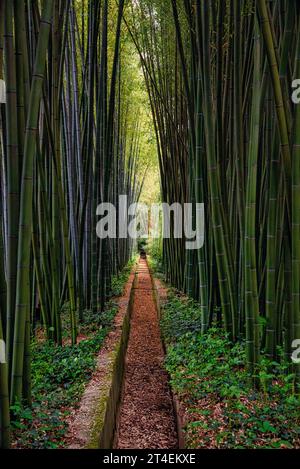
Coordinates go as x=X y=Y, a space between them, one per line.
x=66 y=146
x=220 y=79
x=220 y=76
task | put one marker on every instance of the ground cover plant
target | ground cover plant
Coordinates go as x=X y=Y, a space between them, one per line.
x=208 y=373
x=59 y=375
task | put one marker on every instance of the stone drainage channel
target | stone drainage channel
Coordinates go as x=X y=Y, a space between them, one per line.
x=128 y=403
x=146 y=417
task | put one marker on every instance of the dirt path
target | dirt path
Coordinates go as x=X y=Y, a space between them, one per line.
x=146 y=413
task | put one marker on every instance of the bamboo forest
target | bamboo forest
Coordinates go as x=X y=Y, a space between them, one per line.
x=149 y=225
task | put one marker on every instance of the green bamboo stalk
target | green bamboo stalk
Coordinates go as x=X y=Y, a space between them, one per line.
x=4 y=402
x=296 y=223
x=109 y=145
x=217 y=212
x=3 y=289
x=272 y=243
x=22 y=291
x=278 y=95
x=13 y=172
x=251 y=286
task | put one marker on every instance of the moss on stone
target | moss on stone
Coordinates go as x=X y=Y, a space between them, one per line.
x=101 y=406
x=104 y=420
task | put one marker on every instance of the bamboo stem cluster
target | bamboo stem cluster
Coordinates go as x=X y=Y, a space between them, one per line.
x=66 y=146
x=219 y=76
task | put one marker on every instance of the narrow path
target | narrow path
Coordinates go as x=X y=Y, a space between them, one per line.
x=146 y=414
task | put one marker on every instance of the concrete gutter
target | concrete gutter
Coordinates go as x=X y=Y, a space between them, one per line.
x=107 y=407
x=94 y=424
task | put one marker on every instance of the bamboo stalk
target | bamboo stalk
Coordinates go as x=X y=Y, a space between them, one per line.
x=22 y=292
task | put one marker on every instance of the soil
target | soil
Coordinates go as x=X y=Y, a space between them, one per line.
x=146 y=418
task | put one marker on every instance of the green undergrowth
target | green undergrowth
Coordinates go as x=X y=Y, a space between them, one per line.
x=155 y=263
x=118 y=281
x=59 y=375
x=208 y=374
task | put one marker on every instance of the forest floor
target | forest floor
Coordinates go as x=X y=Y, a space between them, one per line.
x=62 y=376
x=217 y=405
x=146 y=417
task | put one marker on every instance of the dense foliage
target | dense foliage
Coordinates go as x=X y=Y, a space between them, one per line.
x=208 y=374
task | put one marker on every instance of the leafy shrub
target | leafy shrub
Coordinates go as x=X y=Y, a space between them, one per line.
x=118 y=281
x=181 y=315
